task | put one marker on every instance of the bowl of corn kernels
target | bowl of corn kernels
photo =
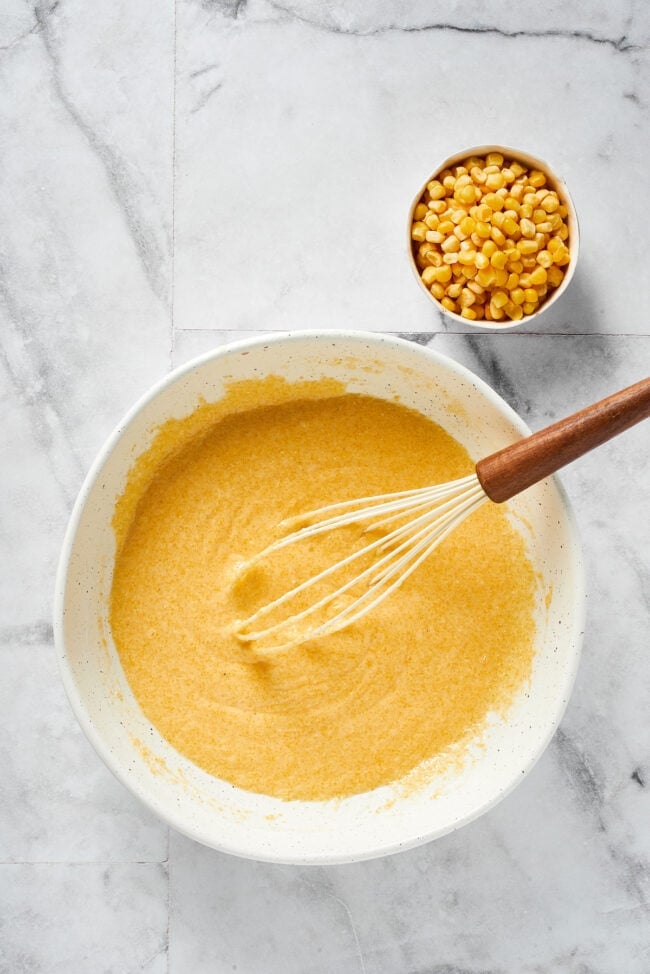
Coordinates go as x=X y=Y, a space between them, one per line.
x=493 y=237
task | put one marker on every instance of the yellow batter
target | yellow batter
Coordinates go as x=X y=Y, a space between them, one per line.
x=348 y=712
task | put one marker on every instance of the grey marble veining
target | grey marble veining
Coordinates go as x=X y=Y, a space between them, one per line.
x=177 y=175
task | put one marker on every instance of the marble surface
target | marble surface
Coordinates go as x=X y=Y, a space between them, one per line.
x=176 y=175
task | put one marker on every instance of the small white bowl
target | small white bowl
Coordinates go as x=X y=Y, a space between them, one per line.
x=554 y=182
x=382 y=821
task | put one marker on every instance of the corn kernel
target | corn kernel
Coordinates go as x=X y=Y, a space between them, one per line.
x=467 y=256
x=498 y=236
x=525 y=281
x=538 y=276
x=510 y=226
x=467 y=194
x=494 y=180
x=432 y=220
x=499 y=299
x=468 y=271
x=443 y=274
x=516 y=193
x=500 y=277
x=434 y=236
x=542 y=290
x=454 y=290
x=498 y=259
x=467 y=298
x=550 y=203
x=488 y=314
x=420 y=211
x=563 y=210
x=467 y=225
x=545 y=227
x=419 y=231
x=450 y=245
x=539 y=215
x=494 y=159
x=494 y=201
x=449 y=304
x=436 y=189
x=517 y=295
x=554 y=276
x=429 y=275
x=530 y=295
x=459 y=233
x=536 y=178
x=437 y=290
x=483 y=229
x=448 y=181
x=477 y=175
x=544 y=258
x=527 y=247
x=460 y=171
x=485 y=276
x=476 y=289
x=478 y=311
x=497 y=219
x=451 y=259
x=514 y=311
x=434 y=257
x=508 y=175
x=512 y=204
x=527 y=228
x=484 y=212
x=515 y=266
x=561 y=256
x=517 y=168
x=468 y=313
x=489 y=248
x=446 y=227
x=481 y=260
x=529 y=307
x=512 y=282
x=529 y=263
x=526 y=211
x=563 y=232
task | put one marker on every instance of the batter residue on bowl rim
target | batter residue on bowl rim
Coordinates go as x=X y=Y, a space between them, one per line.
x=348 y=712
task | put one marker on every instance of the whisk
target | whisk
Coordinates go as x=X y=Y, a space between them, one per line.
x=433 y=513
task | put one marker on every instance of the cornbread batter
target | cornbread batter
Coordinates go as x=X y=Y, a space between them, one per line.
x=347 y=712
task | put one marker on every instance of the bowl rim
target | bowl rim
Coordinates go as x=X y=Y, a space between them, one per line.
x=168 y=814
x=563 y=190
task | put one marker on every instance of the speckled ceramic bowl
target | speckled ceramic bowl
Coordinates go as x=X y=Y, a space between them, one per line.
x=554 y=182
x=378 y=822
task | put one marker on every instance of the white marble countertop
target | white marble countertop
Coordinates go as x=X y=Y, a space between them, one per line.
x=173 y=175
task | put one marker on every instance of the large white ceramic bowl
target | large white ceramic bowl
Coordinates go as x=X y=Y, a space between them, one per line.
x=382 y=821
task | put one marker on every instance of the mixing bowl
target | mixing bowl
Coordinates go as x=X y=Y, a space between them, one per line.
x=390 y=818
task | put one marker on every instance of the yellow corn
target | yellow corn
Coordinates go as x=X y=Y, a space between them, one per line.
x=446 y=226
x=432 y=220
x=497 y=219
x=467 y=225
x=434 y=236
x=494 y=201
x=489 y=248
x=500 y=277
x=429 y=275
x=438 y=206
x=554 y=276
x=469 y=313
x=450 y=259
x=530 y=295
x=481 y=260
x=483 y=229
x=437 y=290
x=485 y=276
x=538 y=276
x=449 y=304
x=515 y=266
x=449 y=182
x=517 y=295
x=498 y=259
x=467 y=194
x=527 y=247
x=467 y=256
x=509 y=226
x=477 y=175
x=529 y=307
x=512 y=282
x=544 y=258
x=450 y=244
x=526 y=211
x=498 y=236
x=419 y=231
x=494 y=159
x=436 y=190
x=514 y=311
x=434 y=257
x=550 y=203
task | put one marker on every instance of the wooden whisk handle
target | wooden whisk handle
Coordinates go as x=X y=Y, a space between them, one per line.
x=511 y=470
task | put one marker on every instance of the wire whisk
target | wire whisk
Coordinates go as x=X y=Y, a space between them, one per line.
x=431 y=513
